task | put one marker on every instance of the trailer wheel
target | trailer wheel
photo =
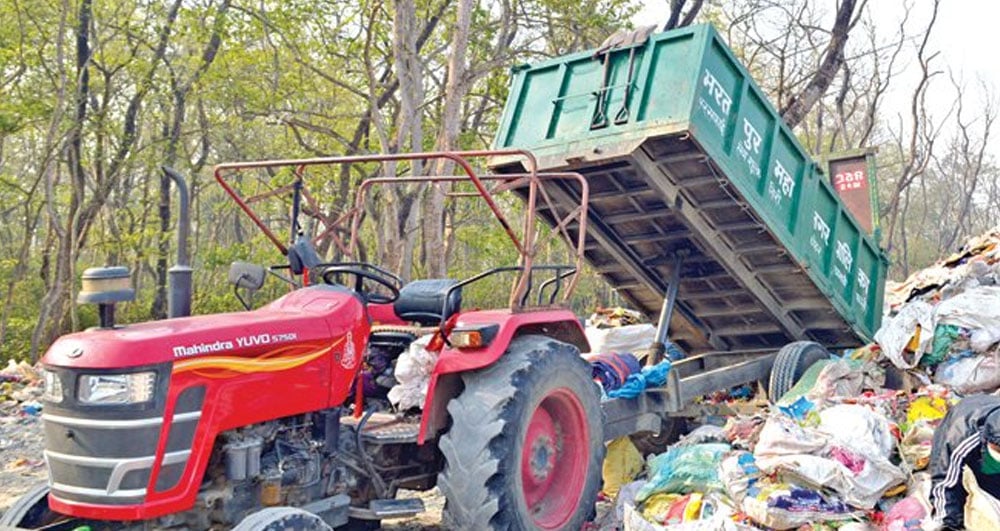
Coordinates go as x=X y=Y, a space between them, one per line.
x=649 y=443
x=526 y=443
x=31 y=510
x=282 y=519
x=793 y=360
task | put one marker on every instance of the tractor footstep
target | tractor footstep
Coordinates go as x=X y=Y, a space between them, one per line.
x=396 y=508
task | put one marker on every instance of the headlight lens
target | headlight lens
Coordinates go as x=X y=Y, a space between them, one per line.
x=53 y=386
x=134 y=388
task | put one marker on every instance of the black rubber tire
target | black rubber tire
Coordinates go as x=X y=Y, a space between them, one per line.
x=282 y=519
x=649 y=443
x=482 y=479
x=30 y=510
x=793 y=360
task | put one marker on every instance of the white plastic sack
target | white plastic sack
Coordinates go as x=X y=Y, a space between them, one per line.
x=859 y=428
x=984 y=338
x=782 y=436
x=897 y=331
x=621 y=339
x=861 y=489
x=806 y=455
x=413 y=372
x=970 y=375
x=974 y=309
x=982 y=511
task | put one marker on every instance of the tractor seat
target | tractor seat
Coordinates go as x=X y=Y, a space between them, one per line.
x=423 y=301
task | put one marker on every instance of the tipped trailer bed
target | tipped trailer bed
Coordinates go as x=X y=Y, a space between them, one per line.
x=704 y=207
x=690 y=166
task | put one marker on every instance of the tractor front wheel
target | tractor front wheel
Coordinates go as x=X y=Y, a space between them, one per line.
x=525 y=447
x=282 y=519
x=31 y=510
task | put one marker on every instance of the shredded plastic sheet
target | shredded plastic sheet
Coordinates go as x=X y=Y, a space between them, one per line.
x=413 y=372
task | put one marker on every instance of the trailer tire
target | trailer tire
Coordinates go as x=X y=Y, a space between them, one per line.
x=792 y=361
x=282 y=519
x=31 y=510
x=526 y=442
x=650 y=443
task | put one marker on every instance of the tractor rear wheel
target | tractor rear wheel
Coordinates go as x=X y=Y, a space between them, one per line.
x=31 y=510
x=282 y=519
x=526 y=443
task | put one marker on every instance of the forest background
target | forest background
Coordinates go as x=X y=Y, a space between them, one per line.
x=97 y=95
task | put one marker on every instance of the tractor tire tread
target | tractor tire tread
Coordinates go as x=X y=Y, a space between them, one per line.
x=15 y=514
x=262 y=519
x=481 y=437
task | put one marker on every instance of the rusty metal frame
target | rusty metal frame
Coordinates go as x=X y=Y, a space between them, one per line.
x=526 y=245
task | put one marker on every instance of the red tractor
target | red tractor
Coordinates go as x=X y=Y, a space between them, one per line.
x=262 y=419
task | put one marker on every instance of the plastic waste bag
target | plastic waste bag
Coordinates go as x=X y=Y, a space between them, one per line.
x=703 y=434
x=622 y=463
x=982 y=511
x=630 y=338
x=739 y=474
x=974 y=309
x=685 y=469
x=859 y=428
x=847 y=453
x=720 y=520
x=905 y=515
x=784 y=506
x=413 y=372
x=916 y=319
x=783 y=436
x=984 y=338
x=971 y=374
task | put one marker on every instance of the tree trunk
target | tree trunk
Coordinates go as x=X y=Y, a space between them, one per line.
x=800 y=104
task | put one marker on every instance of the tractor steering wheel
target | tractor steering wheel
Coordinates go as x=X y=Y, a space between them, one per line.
x=361 y=272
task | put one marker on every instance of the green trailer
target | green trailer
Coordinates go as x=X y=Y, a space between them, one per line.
x=693 y=173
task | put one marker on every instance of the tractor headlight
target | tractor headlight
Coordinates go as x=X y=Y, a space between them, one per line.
x=112 y=389
x=53 y=386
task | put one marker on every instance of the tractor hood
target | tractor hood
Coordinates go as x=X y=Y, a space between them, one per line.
x=313 y=314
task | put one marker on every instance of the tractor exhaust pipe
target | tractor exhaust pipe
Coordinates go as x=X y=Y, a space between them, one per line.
x=180 y=291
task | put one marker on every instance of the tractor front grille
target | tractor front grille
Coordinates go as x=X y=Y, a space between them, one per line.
x=105 y=455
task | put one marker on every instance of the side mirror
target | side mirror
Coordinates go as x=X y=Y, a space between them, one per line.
x=246 y=275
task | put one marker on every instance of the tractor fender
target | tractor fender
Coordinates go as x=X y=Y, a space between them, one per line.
x=446 y=382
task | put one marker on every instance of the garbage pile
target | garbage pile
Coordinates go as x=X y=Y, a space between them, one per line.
x=944 y=321
x=816 y=459
x=840 y=450
x=21 y=439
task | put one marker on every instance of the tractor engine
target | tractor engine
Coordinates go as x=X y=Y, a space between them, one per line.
x=295 y=461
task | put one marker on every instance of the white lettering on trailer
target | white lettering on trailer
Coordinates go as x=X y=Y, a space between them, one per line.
x=821 y=229
x=861 y=295
x=749 y=148
x=717 y=91
x=723 y=102
x=782 y=185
